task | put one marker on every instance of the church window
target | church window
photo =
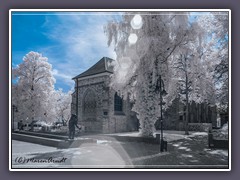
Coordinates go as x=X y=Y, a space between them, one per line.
x=118 y=103
x=89 y=105
x=181 y=118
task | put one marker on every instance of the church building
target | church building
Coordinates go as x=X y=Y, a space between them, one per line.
x=99 y=108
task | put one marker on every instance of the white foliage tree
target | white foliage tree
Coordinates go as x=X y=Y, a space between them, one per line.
x=216 y=25
x=192 y=69
x=33 y=88
x=144 y=44
x=194 y=82
x=62 y=105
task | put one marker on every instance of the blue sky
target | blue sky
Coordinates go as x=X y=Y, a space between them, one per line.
x=72 y=42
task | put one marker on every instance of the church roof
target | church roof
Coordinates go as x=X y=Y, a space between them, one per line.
x=103 y=65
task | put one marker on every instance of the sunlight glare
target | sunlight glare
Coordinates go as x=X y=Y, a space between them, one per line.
x=132 y=39
x=136 y=22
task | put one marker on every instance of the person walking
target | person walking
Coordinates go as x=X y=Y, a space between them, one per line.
x=71 y=125
x=20 y=125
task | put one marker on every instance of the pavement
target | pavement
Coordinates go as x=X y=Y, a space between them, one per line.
x=183 y=152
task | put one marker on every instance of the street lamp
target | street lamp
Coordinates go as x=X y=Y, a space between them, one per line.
x=162 y=92
x=14 y=109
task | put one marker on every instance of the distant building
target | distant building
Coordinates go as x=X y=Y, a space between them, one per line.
x=100 y=109
x=200 y=116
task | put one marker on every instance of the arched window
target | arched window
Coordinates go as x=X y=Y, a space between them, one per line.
x=89 y=105
x=118 y=103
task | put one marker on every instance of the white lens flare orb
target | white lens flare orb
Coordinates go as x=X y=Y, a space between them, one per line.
x=137 y=22
x=132 y=39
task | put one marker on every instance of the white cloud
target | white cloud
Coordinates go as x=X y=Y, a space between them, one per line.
x=80 y=40
x=56 y=73
x=87 y=43
x=64 y=77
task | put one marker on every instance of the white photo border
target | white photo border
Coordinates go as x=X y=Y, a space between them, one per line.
x=112 y=10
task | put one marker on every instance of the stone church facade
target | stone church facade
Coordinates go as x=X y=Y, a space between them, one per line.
x=99 y=108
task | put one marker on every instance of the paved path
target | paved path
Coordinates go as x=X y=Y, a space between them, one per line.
x=186 y=152
x=88 y=155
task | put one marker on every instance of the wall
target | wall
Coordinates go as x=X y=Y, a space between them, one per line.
x=201 y=127
x=117 y=120
x=98 y=86
x=106 y=121
x=174 y=117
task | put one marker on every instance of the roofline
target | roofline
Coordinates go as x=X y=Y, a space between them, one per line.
x=105 y=62
x=92 y=75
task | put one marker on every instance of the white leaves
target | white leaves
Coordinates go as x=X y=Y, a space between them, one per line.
x=216 y=27
x=62 y=105
x=34 y=88
x=167 y=45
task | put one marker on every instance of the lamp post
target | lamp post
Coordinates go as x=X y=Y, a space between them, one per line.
x=14 y=109
x=162 y=92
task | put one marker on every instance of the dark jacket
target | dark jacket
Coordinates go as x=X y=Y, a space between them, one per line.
x=72 y=122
